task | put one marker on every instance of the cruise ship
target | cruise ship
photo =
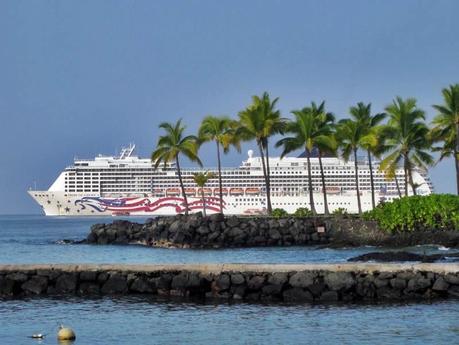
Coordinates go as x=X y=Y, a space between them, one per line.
x=129 y=185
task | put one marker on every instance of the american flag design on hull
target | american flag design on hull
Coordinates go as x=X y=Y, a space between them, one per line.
x=147 y=205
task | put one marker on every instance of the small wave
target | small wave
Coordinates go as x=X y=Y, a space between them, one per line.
x=66 y=241
x=443 y=248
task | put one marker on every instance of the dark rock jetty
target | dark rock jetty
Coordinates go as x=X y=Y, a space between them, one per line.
x=218 y=231
x=392 y=256
x=240 y=282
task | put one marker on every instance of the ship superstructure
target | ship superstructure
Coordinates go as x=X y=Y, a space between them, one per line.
x=129 y=185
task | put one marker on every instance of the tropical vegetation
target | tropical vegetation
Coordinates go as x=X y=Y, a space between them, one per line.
x=404 y=142
x=340 y=211
x=372 y=138
x=222 y=131
x=311 y=129
x=201 y=178
x=446 y=127
x=173 y=144
x=351 y=136
x=417 y=213
x=279 y=213
x=260 y=121
x=302 y=212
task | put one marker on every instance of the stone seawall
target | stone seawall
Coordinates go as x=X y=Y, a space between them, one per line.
x=217 y=231
x=246 y=282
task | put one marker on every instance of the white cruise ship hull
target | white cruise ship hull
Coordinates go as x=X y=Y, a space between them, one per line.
x=65 y=204
x=129 y=185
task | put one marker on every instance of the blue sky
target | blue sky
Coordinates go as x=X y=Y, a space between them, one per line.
x=78 y=78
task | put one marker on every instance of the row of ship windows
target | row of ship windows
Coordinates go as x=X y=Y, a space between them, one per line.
x=143 y=171
x=253 y=183
x=247 y=182
x=189 y=174
x=315 y=203
x=81 y=190
x=303 y=173
x=298 y=204
x=273 y=182
x=295 y=166
x=275 y=189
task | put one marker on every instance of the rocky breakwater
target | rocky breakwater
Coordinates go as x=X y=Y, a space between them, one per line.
x=249 y=282
x=218 y=231
x=215 y=231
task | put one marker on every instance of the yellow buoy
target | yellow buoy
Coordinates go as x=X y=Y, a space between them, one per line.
x=66 y=333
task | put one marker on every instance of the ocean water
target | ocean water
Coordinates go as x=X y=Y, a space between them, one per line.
x=39 y=239
x=141 y=320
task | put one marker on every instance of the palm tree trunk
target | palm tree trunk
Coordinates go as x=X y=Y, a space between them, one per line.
x=185 y=200
x=410 y=176
x=324 y=189
x=262 y=154
x=268 y=180
x=373 y=202
x=219 y=163
x=359 y=204
x=456 y=158
x=456 y=153
x=203 y=201
x=311 y=195
x=397 y=185
x=405 y=168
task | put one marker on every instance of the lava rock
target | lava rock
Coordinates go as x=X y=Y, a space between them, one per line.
x=339 y=280
x=297 y=295
x=302 y=279
x=36 y=285
x=116 y=284
x=66 y=283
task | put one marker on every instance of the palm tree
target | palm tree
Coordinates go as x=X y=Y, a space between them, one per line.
x=371 y=127
x=201 y=179
x=352 y=135
x=407 y=139
x=259 y=121
x=312 y=128
x=390 y=173
x=221 y=130
x=446 y=126
x=171 y=145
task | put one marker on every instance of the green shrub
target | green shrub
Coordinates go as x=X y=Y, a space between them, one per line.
x=340 y=212
x=303 y=212
x=417 y=213
x=279 y=213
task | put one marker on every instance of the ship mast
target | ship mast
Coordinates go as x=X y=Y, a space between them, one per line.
x=127 y=151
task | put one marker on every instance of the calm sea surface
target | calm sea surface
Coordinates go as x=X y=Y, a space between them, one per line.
x=37 y=239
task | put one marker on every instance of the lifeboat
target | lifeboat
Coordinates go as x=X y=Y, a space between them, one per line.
x=236 y=191
x=252 y=191
x=254 y=211
x=172 y=191
x=206 y=191
x=332 y=190
x=159 y=192
x=217 y=191
x=190 y=191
